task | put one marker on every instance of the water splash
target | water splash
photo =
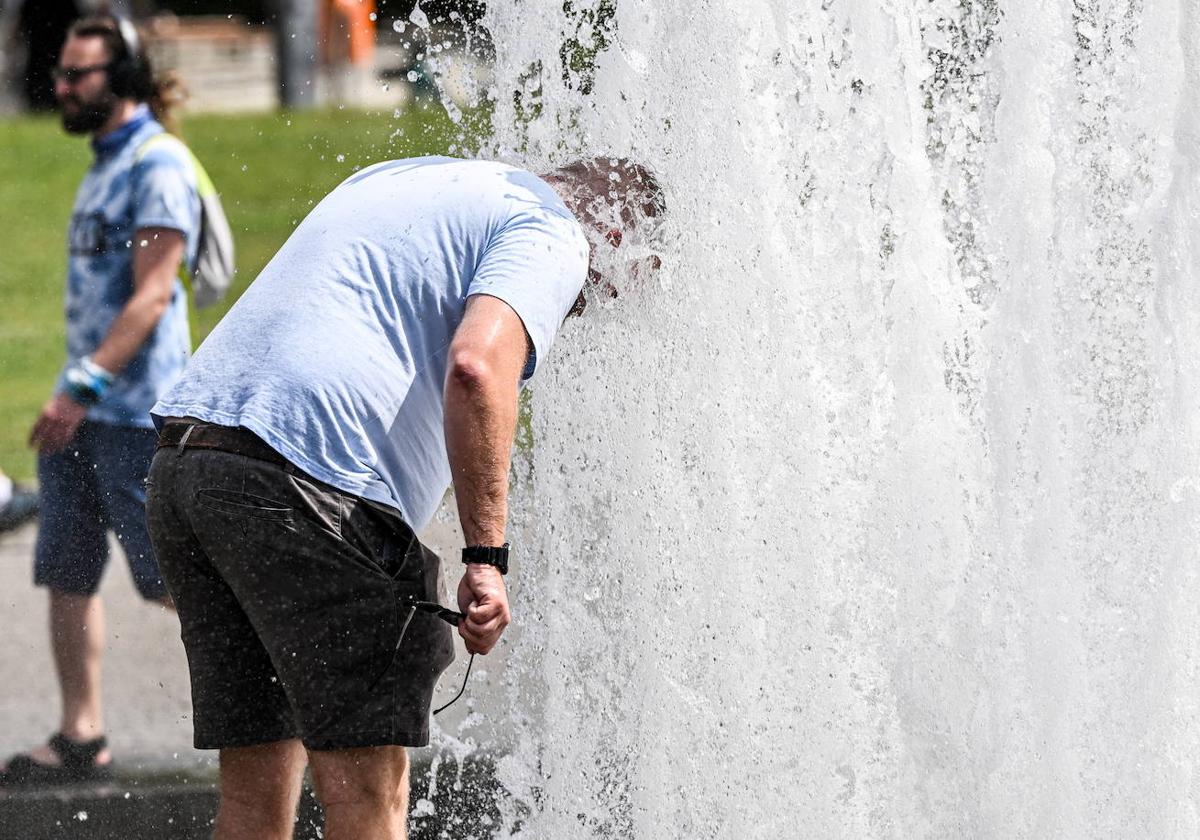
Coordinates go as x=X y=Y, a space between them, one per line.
x=868 y=516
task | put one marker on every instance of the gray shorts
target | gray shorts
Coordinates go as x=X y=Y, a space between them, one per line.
x=290 y=596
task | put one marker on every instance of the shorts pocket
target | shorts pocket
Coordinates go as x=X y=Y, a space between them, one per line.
x=248 y=505
x=400 y=561
x=318 y=504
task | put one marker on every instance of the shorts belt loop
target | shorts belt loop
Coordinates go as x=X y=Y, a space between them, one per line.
x=187 y=433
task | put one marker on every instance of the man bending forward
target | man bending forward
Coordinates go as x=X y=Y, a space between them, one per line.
x=377 y=357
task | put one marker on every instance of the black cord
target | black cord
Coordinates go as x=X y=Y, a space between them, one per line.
x=450 y=617
x=470 y=662
x=414 y=606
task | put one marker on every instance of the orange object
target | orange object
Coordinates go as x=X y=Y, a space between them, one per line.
x=347 y=29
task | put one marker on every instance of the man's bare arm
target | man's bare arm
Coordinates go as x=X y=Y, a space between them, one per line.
x=157 y=253
x=483 y=371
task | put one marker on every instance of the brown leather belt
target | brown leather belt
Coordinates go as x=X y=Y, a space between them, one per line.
x=196 y=434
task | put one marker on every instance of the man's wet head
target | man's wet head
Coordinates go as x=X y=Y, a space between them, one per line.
x=619 y=204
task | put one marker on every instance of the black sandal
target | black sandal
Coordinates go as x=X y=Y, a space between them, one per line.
x=78 y=765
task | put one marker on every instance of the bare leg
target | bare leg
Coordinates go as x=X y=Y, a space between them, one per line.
x=77 y=636
x=260 y=787
x=77 y=641
x=364 y=792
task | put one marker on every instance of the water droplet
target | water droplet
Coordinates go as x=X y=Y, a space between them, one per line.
x=419 y=17
x=413 y=75
x=341 y=158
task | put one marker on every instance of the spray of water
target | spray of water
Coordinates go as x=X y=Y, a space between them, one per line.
x=874 y=513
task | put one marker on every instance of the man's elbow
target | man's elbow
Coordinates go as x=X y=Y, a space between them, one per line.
x=469 y=371
x=155 y=303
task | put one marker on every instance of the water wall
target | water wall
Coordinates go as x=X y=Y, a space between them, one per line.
x=874 y=514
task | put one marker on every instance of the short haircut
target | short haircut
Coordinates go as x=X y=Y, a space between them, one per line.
x=610 y=188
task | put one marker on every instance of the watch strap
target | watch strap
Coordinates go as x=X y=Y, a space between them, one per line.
x=86 y=382
x=491 y=555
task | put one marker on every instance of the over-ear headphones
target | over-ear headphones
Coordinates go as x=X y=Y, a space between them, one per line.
x=129 y=74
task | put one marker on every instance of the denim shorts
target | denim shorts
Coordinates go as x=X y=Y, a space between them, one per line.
x=291 y=602
x=95 y=485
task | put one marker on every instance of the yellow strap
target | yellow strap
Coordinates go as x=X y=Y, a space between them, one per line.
x=204 y=184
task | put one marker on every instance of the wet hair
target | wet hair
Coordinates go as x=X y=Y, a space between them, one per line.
x=611 y=190
x=614 y=197
x=130 y=73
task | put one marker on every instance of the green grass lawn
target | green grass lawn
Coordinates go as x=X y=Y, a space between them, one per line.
x=269 y=168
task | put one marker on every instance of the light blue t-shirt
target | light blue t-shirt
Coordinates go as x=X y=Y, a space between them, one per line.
x=121 y=194
x=336 y=354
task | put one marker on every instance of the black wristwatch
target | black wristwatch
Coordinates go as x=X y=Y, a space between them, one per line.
x=490 y=555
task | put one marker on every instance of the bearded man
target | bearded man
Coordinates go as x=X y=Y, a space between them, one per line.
x=136 y=219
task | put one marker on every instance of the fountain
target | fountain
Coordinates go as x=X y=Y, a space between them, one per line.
x=874 y=513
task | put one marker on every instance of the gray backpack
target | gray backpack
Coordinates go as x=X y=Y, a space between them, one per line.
x=214 y=270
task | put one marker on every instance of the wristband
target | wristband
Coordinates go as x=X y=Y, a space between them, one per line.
x=86 y=382
x=488 y=555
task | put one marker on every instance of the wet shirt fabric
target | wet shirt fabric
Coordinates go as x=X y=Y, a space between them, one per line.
x=122 y=193
x=336 y=354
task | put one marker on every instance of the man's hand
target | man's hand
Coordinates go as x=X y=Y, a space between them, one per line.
x=57 y=424
x=483 y=599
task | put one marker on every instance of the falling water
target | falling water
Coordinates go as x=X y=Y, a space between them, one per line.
x=874 y=513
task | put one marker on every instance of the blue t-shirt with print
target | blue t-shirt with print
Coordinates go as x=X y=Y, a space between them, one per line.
x=123 y=192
